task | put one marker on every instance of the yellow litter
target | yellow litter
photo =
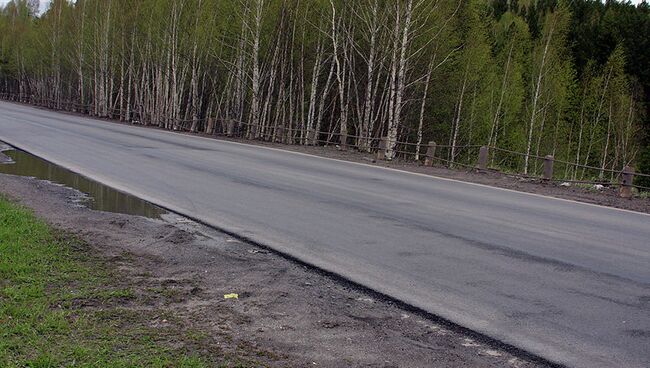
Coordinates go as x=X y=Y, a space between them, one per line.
x=231 y=296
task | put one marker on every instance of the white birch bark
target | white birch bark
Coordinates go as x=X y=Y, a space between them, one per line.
x=536 y=97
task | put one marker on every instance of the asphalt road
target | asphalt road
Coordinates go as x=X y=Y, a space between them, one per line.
x=567 y=281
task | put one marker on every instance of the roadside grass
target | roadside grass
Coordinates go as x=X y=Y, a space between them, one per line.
x=61 y=306
x=644 y=194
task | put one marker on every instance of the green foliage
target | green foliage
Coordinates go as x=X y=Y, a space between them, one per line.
x=512 y=51
x=43 y=280
x=567 y=78
x=644 y=167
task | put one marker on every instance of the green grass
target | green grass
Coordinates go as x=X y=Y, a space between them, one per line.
x=643 y=194
x=61 y=307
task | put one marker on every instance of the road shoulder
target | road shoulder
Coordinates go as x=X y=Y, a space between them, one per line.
x=285 y=313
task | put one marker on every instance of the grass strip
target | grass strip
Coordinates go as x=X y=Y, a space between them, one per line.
x=60 y=306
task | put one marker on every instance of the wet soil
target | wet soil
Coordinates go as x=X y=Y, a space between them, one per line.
x=286 y=314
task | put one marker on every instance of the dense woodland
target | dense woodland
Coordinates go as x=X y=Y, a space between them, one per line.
x=565 y=78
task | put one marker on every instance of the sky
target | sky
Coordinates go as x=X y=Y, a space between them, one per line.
x=45 y=3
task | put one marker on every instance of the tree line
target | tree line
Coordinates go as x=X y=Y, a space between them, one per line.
x=566 y=78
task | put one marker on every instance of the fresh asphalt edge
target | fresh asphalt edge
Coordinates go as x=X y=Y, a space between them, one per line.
x=345 y=281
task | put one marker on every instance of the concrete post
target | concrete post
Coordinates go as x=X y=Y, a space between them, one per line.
x=210 y=128
x=431 y=154
x=230 y=128
x=483 y=158
x=626 y=182
x=381 y=150
x=311 y=137
x=548 y=167
x=344 y=142
x=279 y=134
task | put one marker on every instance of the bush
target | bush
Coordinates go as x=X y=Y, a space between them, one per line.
x=643 y=167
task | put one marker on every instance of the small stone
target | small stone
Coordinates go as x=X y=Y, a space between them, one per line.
x=490 y=352
x=469 y=343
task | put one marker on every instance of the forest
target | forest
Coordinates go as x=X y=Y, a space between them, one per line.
x=527 y=78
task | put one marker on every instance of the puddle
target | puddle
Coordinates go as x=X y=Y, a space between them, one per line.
x=100 y=197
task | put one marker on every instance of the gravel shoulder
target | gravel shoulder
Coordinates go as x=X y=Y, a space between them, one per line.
x=286 y=314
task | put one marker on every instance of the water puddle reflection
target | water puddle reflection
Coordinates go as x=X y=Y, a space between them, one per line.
x=100 y=197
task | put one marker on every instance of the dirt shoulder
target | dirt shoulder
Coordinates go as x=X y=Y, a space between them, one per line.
x=61 y=305
x=286 y=313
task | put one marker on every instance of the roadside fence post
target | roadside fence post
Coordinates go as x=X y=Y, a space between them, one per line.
x=431 y=153
x=548 y=167
x=209 y=129
x=483 y=157
x=230 y=127
x=626 y=182
x=279 y=134
x=311 y=137
x=344 y=142
x=381 y=150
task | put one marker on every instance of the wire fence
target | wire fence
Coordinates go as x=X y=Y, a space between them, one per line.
x=595 y=175
x=501 y=160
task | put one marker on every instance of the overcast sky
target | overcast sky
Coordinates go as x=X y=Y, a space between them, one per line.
x=44 y=3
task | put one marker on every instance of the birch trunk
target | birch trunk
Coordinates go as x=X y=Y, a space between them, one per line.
x=536 y=98
x=422 y=107
x=255 y=102
x=341 y=82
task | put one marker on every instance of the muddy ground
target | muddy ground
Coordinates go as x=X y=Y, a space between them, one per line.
x=286 y=314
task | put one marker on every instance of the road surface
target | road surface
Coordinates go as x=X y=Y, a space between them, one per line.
x=567 y=281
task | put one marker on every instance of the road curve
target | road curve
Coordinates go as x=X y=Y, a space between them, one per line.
x=567 y=281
